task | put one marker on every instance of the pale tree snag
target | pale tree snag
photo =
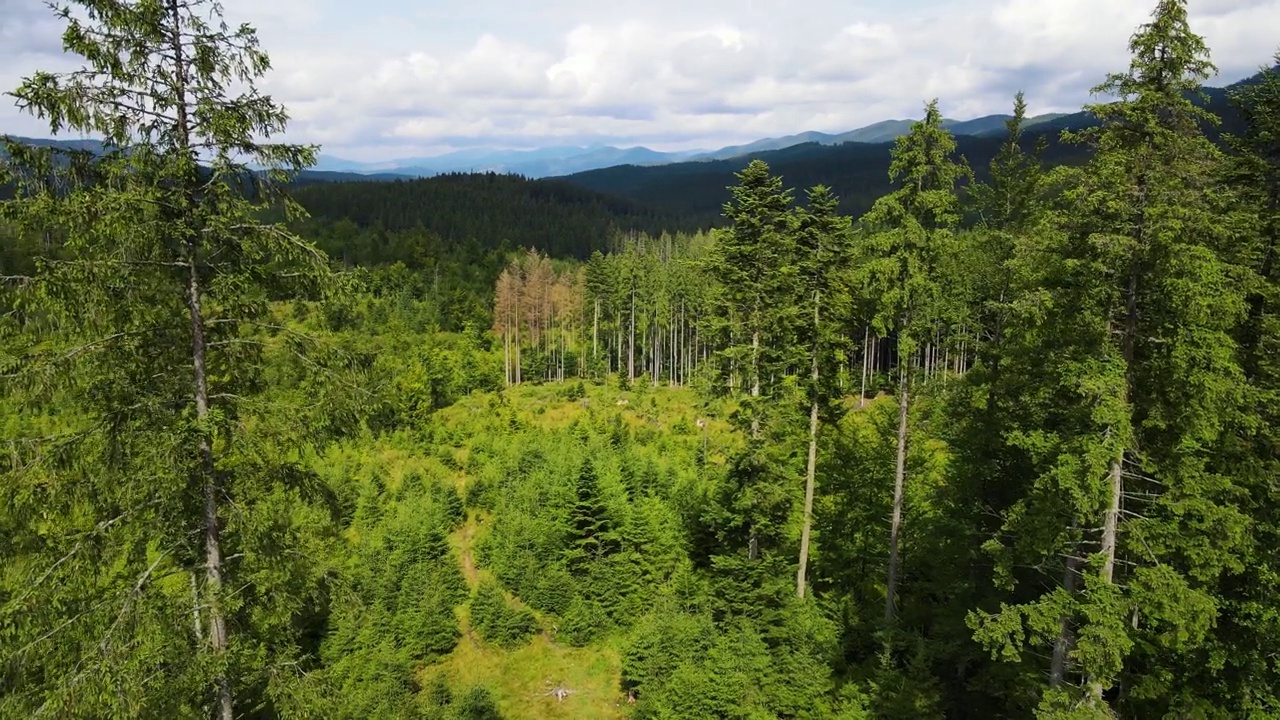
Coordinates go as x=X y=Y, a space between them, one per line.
x=755 y=379
x=866 y=360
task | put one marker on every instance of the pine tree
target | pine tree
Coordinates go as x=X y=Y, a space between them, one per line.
x=139 y=339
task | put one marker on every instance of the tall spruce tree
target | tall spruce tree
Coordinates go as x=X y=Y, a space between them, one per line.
x=1248 y=681
x=822 y=256
x=909 y=229
x=139 y=576
x=752 y=260
x=1135 y=307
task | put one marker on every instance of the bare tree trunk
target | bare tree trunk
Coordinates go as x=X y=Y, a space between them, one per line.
x=506 y=350
x=811 y=471
x=866 y=362
x=631 y=351
x=195 y=609
x=212 y=490
x=1066 y=637
x=899 y=482
x=657 y=353
x=755 y=381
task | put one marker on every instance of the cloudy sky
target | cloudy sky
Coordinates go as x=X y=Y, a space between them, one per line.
x=377 y=79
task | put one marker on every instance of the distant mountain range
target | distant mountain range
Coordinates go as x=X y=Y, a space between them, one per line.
x=585 y=164
x=568 y=159
x=857 y=171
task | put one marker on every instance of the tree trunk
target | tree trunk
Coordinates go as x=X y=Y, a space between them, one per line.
x=506 y=350
x=866 y=362
x=657 y=353
x=631 y=347
x=195 y=609
x=1128 y=344
x=200 y=386
x=212 y=490
x=899 y=482
x=1066 y=635
x=811 y=471
x=755 y=382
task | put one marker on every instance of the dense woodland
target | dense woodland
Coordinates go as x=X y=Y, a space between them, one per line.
x=1003 y=445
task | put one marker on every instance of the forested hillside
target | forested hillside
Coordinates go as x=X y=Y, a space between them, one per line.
x=1003 y=445
x=490 y=209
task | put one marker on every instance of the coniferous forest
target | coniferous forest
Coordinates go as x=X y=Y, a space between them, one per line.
x=1004 y=445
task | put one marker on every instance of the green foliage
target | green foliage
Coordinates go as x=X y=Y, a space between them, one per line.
x=497 y=620
x=411 y=221
x=163 y=538
x=404 y=484
x=591 y=533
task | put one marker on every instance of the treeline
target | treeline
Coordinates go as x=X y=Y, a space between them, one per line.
x=638 y=310
x=493 y=210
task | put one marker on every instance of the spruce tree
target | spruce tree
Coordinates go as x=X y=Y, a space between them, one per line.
x=823 y=255
x=1135 y=309
x=592 y=535
x=136 y=344
x=909 y=230
x=752 y=262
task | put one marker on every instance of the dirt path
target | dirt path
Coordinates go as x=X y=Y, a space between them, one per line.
x=464 y=538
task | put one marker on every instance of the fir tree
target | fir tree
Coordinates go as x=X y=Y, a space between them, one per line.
x=752 y=261
x=1140 y=305
x=591 y=533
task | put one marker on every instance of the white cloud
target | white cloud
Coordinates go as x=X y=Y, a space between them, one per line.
x=385 y=76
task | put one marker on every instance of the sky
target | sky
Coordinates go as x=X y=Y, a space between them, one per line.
x=379 y=79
